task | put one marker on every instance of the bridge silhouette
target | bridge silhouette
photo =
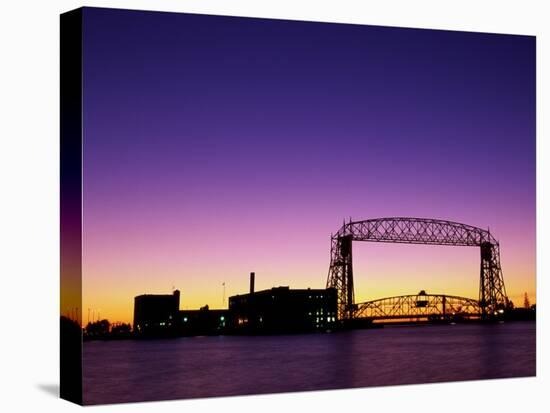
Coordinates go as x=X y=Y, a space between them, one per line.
x=421 y=306
x=492 y=292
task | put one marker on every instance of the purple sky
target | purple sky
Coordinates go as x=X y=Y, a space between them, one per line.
x=215 y=146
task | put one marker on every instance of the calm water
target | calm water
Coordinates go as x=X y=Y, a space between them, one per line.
x=121 y=371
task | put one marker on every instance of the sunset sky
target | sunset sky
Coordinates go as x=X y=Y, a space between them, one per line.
x=216 y=146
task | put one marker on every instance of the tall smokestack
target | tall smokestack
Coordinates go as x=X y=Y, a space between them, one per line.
x=252 y=276
x=176 y=295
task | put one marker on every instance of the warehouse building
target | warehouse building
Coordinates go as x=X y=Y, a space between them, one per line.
x=283 y=310
x=278 y=310
x=156 y=314
x=204 y=322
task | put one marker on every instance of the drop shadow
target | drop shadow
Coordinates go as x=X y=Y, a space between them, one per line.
x=51 y=389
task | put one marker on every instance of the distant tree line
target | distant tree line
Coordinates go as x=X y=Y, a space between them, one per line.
x=103 y=329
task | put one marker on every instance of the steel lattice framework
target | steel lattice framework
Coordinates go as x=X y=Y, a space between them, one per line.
x=492 y=293
x=421 y=305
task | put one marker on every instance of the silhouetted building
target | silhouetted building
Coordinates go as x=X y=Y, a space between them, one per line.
x=282 y=310
x=156 y=314
x=203 y=322
x=278 y=310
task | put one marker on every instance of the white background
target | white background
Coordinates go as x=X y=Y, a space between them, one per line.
x=29 y=207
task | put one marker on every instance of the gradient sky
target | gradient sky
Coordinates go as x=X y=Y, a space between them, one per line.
x=216 y=146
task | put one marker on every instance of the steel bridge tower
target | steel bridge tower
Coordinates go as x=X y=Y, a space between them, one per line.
x=492 y=292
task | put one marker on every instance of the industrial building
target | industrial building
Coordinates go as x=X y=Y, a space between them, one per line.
x=204 y=322
x=282 y=310
x=156 y=314
x=275 y=311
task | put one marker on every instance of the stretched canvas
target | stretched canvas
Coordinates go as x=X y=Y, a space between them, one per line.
x=254 y=206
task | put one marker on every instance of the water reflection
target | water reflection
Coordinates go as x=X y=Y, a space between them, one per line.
x=119 y=371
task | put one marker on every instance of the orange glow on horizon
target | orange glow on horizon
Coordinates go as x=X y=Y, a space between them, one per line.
x=115 y=303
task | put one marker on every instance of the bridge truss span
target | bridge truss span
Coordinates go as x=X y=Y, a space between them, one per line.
x=426 y=231
x=416 y=231
x=419 y=306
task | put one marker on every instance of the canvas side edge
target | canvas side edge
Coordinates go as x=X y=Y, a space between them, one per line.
x=71 y=206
